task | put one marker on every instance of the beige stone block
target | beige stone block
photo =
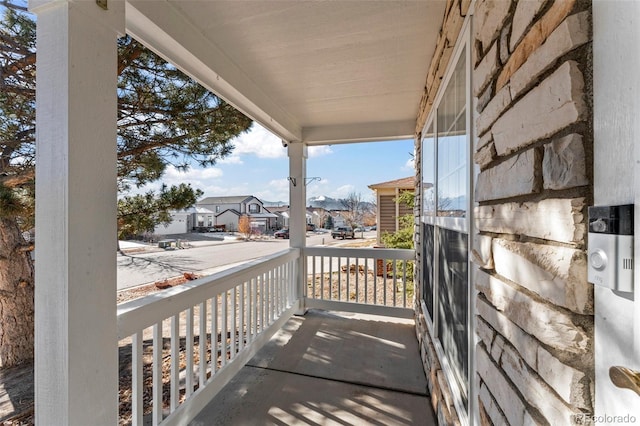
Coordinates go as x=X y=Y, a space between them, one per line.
x=504 y=43
x=496 y=106
x=496 y=382
x=557 y=274
x=490 y=407
x=489 y=18
x=555 y=104
x=497 y=348
x=485 y=70
x=516 y=176
x=564 y=163
x=485 y=332
x=571 y=384
x=555 y=219
x=534 y=38
x=549 y=325
x=523 y=342
x=485 y=155
x=523 y=18
x=464 y=7
x=536 y=393
x=484 y=141
x=571 y=33
x=481 y=253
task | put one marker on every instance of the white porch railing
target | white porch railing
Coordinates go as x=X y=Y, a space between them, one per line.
x=185 y=343
x=182 y=362
x=366 y=280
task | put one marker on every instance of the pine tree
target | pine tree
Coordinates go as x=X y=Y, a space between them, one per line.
x=164 y=119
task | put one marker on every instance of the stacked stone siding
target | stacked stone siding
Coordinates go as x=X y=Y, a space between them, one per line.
x=534 y=359
x=531 y=81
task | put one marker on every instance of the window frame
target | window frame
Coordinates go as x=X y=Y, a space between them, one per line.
x=464 y=225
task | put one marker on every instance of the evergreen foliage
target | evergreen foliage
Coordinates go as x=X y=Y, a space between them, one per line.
x=164 y=119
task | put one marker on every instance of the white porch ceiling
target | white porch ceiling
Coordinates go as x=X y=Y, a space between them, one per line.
x=317 y=71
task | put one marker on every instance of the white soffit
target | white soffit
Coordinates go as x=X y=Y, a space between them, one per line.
x=317 y=71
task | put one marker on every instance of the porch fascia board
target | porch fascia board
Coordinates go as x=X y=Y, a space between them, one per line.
x=359 y=132
x=160 y=28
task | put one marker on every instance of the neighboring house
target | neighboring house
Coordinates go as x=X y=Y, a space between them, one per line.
x=317 y=216
x=389 y=208
x=282 y=216
x=181 y=223
x=228 y=210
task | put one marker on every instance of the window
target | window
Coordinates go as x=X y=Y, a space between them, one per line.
x=217 y=209
x=254 y=208
x=446 y=175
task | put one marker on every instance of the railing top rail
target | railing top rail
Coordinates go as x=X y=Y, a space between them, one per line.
x=371 y=253
x=141 y=313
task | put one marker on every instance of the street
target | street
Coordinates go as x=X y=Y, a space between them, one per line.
x=142 y=268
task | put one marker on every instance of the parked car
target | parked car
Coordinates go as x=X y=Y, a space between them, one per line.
x=283 y=233
x=343 y=232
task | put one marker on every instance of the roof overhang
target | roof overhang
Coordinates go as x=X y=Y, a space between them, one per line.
x=321 y=72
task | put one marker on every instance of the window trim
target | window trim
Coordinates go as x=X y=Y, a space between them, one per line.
x=459 y=224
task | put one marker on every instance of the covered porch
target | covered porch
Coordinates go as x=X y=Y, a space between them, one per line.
x=313 y=73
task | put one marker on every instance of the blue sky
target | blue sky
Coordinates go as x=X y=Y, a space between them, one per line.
x=259 y=166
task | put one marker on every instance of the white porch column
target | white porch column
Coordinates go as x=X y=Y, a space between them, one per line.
x=298 y=205
x=76 y=359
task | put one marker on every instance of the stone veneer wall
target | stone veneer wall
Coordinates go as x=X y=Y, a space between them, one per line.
x=533 y=131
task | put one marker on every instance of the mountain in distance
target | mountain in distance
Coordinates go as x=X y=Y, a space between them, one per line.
x=275 y=203
x=323 y=201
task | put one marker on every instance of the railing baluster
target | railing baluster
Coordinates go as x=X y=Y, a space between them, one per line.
x=395 y=282
x=158 y=347
x=357 y=270
x=405 y=265
x=384 y=281
x=137 y=403
x=202 y=345
x=234 y=323
x=175 y=364
x=189 y=354
x=322 y=278
x=269 y=303
x=339 y=279
x=214 y=335
x=281 y=273
x=330 y=278
x=347 y=296
x=313 y=275
x=223 y=329
x=262 y=303
x=366 y=279
x=254 y=301
x=242 y=319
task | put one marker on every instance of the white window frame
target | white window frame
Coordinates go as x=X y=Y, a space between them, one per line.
x=460 y=224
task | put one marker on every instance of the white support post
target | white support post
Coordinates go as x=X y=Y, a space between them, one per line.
x=76 y=358
x=298 y=210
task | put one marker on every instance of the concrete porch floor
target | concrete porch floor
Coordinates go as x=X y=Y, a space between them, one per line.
x=329 y=368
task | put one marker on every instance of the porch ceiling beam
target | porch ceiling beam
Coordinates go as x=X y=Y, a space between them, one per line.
x=159 y=27
x=359 y=132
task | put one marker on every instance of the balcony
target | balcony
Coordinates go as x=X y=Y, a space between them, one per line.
x=204 y=351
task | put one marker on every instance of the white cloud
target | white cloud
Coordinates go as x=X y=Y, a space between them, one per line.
x=342 y=191
x=320 y=150
x=410 y=164
x=259 y=142
x=275 y=190
x=232 y=159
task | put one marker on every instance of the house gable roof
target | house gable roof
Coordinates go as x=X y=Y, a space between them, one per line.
x=233 y=199
x=403 y=183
